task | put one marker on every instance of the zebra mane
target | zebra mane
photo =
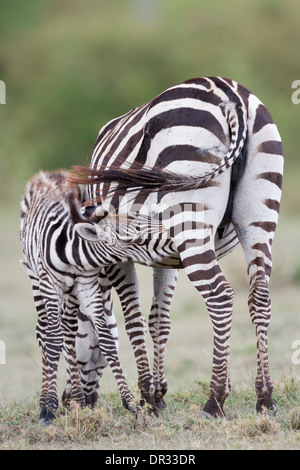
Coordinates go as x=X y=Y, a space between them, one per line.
x=56 y=186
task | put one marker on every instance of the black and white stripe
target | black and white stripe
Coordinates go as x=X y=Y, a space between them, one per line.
x=64 y=253
x=206 y=143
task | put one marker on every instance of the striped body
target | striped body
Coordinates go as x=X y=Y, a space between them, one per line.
x=63 y=262
x=206 y=143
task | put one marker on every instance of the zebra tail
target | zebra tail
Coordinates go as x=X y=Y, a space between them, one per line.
x=133 y=177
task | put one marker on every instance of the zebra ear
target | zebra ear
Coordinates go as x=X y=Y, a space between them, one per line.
x=92 y=232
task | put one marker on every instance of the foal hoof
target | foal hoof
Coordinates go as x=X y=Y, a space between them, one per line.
x=265 y=403
x=160 y=403
x=129 y=404
x=91 y=399
x=48 y=422
x=271 y=409
x=47 y=418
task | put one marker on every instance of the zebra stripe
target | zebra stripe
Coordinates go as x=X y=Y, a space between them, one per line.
x=63 y=262
x=205 y=141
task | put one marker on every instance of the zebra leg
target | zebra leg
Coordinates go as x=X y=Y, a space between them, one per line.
x=41 y=327
x=200 y=263
x=51 y=350
x=205 y=274
x=259 y=262
x=124 y=279
x=256 y=239
x=91 y=360
x=164 y=281
x=255 y=215
x=74 y=389
x=260 y=312
x=219 y=301
x=192 y=227
x=88 y=293
x=49 y=338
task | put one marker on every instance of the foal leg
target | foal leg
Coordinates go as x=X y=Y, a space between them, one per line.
x=164 y=281
x=41 y=333
x=90 y=358
x=88 y=293
x=52 y=347
x=69 y=324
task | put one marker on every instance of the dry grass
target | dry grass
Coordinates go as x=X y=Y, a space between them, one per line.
x=180 y=427
x=188 y=368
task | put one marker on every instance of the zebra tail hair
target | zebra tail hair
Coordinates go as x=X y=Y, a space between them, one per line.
x=137 y=177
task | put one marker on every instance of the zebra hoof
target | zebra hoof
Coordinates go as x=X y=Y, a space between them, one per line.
x=47 y=417
x=271 y=409
x=48 y=422
x=130 y=405
x=91 y=399
x=206 y=415
x=160 y=404
x=159 y=396
x=265 y=403
x=213 y=409
x=66 y=397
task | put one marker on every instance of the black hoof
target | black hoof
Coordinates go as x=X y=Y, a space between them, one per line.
x=160 y=403
x=47 y=417
x=213 y=408
x=91 y=399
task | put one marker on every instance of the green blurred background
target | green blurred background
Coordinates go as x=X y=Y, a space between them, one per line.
x=70 y=66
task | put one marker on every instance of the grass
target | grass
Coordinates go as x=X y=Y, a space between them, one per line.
x=188 y=367
x=81 y=58
x=88 y=62
x=109 y=426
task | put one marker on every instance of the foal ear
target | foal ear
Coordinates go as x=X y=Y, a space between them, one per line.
x=91 y=232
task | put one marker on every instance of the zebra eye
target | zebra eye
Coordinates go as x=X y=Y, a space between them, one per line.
x=87 y=211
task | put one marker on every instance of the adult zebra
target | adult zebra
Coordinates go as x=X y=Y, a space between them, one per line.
x=224 y=152
x=63 y=262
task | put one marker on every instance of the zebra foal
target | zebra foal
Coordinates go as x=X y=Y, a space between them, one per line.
x=64 y=270
x=64 y=253
x=231 y=152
